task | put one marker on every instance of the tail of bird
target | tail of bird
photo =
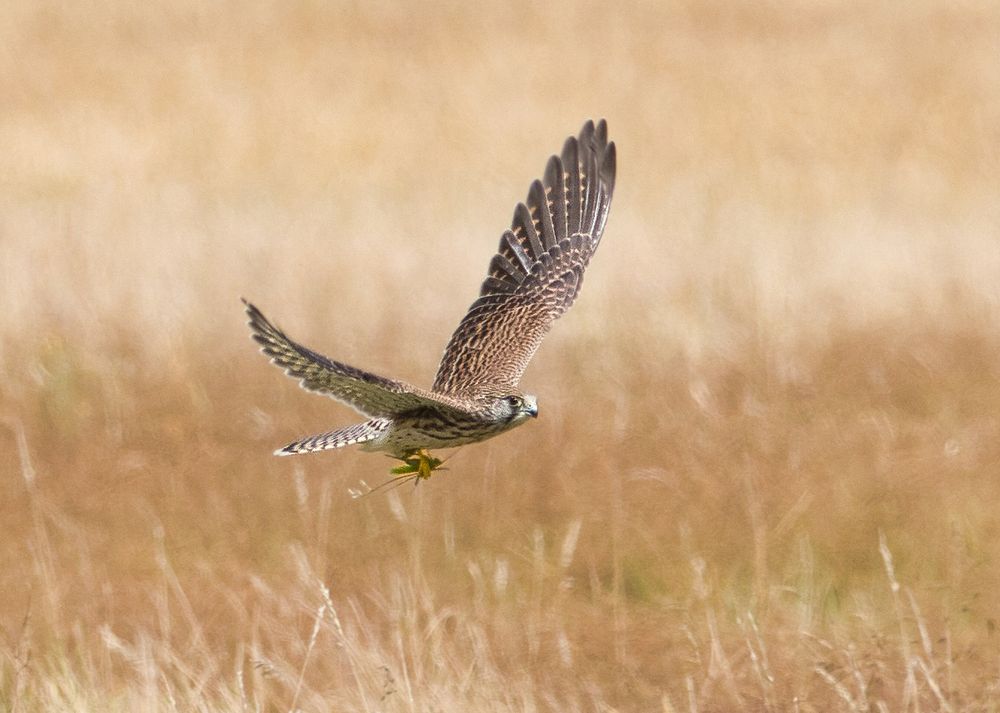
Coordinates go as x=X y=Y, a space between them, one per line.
x=359 y=433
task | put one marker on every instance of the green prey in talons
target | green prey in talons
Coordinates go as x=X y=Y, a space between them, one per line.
x=418 y=464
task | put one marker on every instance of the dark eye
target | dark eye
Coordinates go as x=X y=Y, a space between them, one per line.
x=514 y=401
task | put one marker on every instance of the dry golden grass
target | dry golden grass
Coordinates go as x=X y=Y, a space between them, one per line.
x=767 y=467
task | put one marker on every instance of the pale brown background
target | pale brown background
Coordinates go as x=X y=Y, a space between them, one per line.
x=786 y=346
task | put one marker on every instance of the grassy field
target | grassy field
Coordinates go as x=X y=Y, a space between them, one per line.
x=766 y=471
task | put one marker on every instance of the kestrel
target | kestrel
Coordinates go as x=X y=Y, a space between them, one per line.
x=532 y=280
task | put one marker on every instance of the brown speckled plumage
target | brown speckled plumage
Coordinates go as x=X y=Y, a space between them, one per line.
x=532 y=280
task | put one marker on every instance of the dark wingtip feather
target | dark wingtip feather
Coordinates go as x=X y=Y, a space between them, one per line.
x=255 y=315
x=553 y=169
x=571 y=164
x=609 y=165
x=538 y=201
x=555 y=182
x=258 y=322
x=602 y=132
x=568 y=149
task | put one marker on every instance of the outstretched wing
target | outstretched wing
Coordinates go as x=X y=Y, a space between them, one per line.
x=537 y=272
x=368 y=393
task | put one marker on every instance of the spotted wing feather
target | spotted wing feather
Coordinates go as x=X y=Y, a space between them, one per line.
x=367 y=393
x=537 y=271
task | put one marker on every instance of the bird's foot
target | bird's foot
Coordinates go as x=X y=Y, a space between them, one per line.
x=419 y=464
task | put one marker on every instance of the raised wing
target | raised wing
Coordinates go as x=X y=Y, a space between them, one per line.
x=537 y=272
x=368 y=393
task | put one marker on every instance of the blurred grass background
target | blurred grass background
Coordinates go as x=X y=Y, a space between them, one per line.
x=766 y=469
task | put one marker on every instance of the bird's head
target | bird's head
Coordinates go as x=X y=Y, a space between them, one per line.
x=516 y=408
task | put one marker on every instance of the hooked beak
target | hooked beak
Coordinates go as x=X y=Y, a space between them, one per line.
x=531 y=407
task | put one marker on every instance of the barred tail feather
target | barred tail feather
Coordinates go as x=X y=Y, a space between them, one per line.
x=359 y=433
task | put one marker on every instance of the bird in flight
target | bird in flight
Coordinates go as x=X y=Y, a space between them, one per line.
x=532 y=280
